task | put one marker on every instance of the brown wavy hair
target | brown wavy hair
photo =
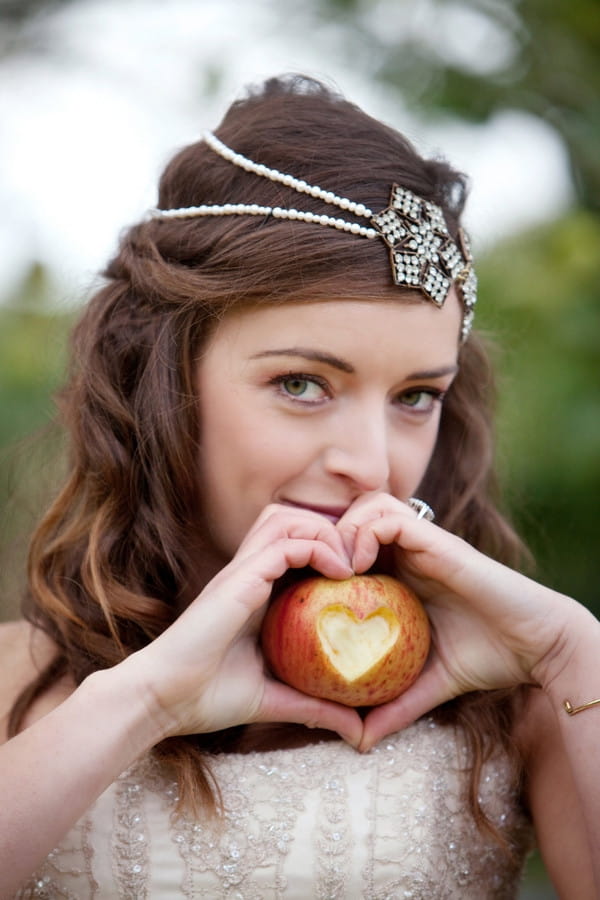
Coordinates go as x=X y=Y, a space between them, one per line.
x=111 y=563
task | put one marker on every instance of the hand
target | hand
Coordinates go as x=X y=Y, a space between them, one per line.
x=491 y=626
x=206 y=673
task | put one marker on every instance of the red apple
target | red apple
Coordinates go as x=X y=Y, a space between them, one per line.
x=360 y=642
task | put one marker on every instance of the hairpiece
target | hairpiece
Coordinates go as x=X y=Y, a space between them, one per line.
x=423 y=254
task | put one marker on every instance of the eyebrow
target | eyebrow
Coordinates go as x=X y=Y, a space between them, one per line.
x=337 y=363
x=434 y=373
x=312 y=355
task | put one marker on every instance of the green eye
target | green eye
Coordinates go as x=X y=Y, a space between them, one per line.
x=295 y=386
x=304 y=388
x=416 y=398
x=421 y=400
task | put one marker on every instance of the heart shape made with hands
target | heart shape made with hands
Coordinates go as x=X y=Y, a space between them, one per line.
x=353 y=645
x=361 y=641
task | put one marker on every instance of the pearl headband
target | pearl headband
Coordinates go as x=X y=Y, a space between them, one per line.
x=423 y=254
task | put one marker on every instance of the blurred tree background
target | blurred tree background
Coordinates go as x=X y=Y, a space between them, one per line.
x=32 y=362
x=539 y=289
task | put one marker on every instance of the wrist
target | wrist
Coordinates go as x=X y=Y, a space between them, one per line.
x=148 y=690
x=128 y=706
x=570 y=671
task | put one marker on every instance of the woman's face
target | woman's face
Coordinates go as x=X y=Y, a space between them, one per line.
x=313 y=404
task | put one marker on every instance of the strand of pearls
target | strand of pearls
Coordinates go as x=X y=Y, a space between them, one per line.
x=430 y=260
x=359 y=209
x=278 y=212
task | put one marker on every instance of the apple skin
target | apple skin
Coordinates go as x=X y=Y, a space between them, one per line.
x=311 y=632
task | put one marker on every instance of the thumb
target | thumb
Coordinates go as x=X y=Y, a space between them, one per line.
x=285 y=704
x=429 y=690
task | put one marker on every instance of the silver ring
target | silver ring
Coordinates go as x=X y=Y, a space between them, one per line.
x=422 y=509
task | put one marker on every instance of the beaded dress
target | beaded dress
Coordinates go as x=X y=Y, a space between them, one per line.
x=321 y=821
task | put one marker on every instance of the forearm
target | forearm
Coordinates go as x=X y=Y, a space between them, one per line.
x=577 y=680
x=51 y=772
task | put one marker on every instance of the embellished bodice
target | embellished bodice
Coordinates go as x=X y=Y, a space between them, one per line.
x=320 y=821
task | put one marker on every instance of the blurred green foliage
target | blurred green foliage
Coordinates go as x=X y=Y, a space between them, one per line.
x=473 y=58
x=540 y=296
x=31 y=354
x=33 y=336
x=540 y=291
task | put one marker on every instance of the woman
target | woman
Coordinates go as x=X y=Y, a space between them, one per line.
x=279 y=364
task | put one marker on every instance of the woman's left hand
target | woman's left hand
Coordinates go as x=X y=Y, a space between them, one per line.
x=491 y=626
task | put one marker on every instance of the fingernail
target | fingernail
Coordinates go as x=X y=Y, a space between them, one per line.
x=354 y=743
x=348 y=567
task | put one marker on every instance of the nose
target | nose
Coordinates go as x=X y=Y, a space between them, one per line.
x=359 y=450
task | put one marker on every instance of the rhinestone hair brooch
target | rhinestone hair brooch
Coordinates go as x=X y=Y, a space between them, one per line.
x=423 y=254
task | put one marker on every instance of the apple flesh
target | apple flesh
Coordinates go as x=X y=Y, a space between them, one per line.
x=360 y=642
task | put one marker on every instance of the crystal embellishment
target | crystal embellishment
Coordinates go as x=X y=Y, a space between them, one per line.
x=423 y=253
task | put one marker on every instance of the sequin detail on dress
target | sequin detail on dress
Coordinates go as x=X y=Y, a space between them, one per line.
x=321 y=821
x=130 y=838
x=67 y=872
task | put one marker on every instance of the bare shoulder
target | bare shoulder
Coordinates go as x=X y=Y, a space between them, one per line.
x=24 y=652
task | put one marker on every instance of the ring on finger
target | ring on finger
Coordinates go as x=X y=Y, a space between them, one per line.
x=422 y=509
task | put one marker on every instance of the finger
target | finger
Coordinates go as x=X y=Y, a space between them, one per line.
x=273 y=561
x=429 y=691
x=284 y=704
x=418 y=537
x=244 y=586
x=368 y=509
x=278 y=521
x=371 y=535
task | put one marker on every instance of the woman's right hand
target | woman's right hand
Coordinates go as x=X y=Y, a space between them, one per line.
x=206 y=671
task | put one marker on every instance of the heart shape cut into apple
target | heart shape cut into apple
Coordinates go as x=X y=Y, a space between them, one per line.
x=353 y=646
x=360 y=642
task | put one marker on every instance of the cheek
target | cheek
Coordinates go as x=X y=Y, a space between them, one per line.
x=411 y=463
x=231 y=440
x=243 y=463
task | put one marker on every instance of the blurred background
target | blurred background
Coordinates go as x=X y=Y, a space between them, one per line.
x=96 y=95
